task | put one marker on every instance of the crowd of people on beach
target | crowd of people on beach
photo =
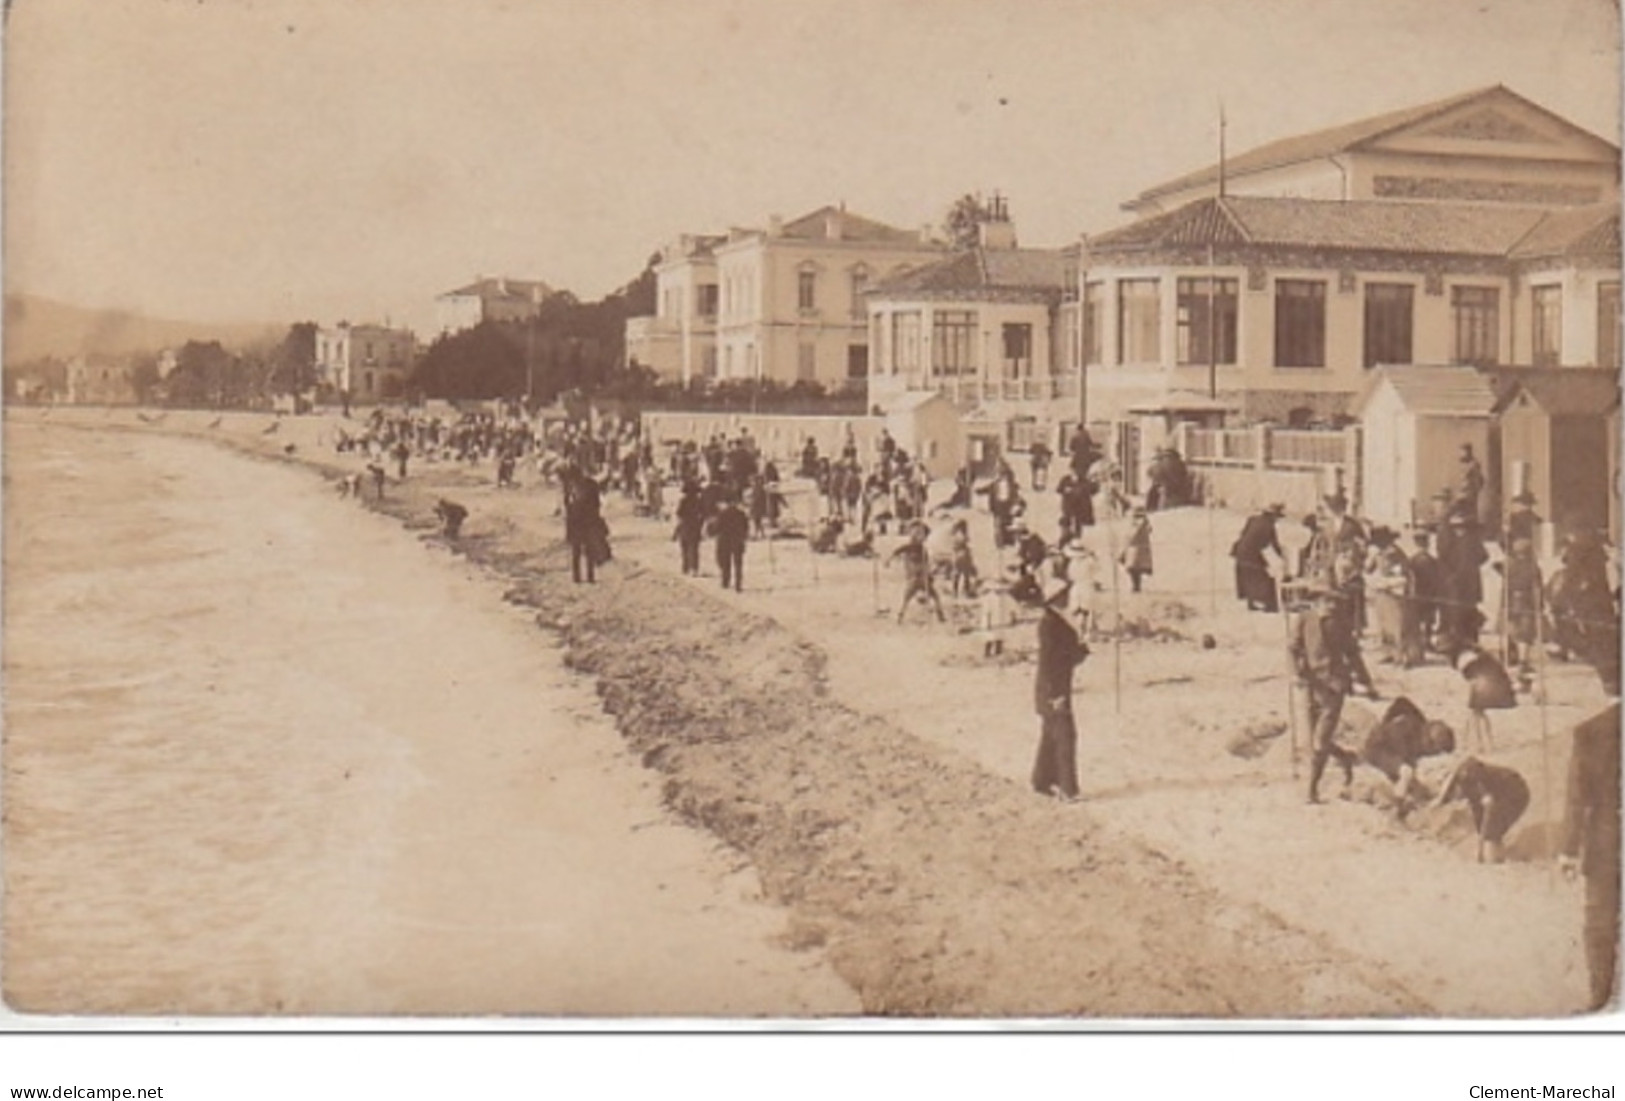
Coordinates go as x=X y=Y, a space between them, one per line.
x=1415 y=597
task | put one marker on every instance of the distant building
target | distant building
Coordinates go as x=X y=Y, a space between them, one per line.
x=368 y=362
x=101 y=380
x=496 y=298
x=679 y=340
x=784 y=303
x=989 y=327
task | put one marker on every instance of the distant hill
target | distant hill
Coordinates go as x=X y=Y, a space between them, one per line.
x=36 y=327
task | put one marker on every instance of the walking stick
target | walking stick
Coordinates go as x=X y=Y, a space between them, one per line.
x=1291 y=685
x=1545 y=733
x=1212 y=558
x=772 y=533
x=812 y=526
x=1117 y=609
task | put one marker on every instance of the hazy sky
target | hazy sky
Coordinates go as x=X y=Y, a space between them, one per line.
x=282 y=159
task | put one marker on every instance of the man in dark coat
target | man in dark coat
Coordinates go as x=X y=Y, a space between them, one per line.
x=1082 y=451
x=1060 y=651
x=1591 y=829
x=732 y=530
x=1461 y=558
x=583 y=524
x=1319 y=658
x=690 y=527
x=1253 y=581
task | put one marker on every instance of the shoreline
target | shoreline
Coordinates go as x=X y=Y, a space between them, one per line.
x=933 y=885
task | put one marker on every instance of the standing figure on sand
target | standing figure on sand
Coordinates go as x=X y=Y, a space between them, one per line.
x=584 y=527
x=1060 y=651
x=731 y=527
x=1320 y=660
x=1254 y=584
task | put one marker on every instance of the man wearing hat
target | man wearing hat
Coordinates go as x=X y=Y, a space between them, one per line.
x=1060 y=651
x=1320 y=659
x=1461 y=557
x=1469 y=483
x=1253 y=581
x=1523 y=522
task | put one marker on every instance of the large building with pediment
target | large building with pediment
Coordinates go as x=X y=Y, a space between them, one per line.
x=1480 y=229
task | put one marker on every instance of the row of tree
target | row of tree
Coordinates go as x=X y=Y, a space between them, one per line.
x=569 y=345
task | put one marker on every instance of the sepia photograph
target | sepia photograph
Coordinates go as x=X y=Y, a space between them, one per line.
x=759 y=514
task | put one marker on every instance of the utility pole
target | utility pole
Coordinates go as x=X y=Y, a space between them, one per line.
x=1084 y=322
x=1212 y=282
x=1212 y=327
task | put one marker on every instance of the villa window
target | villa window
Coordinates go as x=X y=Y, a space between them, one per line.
x=860 y=283
x=953 y=342
x=806 y=362
x=905 y=341
x=1300 y=323
x=1018 y=350
x=807 y=290
x=1389 y=317
x=1139 y=320
x=1608 y=325
x=706 y=303
x=1476 y=313
x=1207 y=321
x=1546 y=321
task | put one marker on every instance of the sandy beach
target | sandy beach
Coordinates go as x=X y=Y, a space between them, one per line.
x=867 y=780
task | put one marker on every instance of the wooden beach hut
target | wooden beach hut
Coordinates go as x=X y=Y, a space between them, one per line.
x=1555 y=433
x=926 y=426
x=1413 y=421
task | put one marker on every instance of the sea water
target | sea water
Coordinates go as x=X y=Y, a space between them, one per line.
x=266 y=753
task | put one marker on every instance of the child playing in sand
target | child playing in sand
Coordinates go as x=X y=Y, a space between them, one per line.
x=1136 y=556
x=916 y=572
x=1498 y=797
x=1488 y=689
x=962 y=564
x=993 y=617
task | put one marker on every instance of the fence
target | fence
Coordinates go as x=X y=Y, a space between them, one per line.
x=1250 y=467
x=973 y=390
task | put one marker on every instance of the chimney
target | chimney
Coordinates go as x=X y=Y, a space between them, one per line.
x=502 y=285
x=775 y=225
x=997 y=235
x=832 y=224
x=996 y=230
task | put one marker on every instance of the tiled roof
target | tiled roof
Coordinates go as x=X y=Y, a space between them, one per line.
x=497 y=287
x=986 y=274
x=1559 y=391
x=1372 y=225
x=853 y=227
x=1583 y=231
x=1439 y=391
x=1328 y=142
